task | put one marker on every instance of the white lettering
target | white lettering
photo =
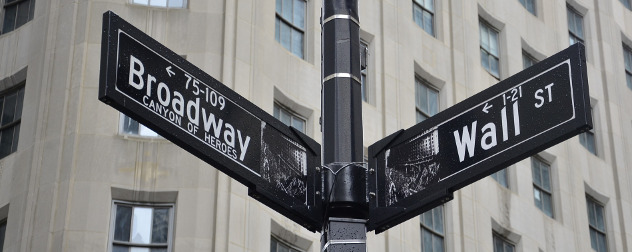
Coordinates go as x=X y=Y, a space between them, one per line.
x=490 y=135
x=243 y=146
x=465 y=141
x=138 y=73
x=194 y=117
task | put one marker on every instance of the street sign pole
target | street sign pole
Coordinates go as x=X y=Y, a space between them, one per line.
x=344 y=174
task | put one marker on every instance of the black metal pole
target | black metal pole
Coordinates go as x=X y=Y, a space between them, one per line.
x=345 y=198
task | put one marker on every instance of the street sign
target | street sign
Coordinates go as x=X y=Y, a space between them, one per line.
x=416 y=169
x=153 y=85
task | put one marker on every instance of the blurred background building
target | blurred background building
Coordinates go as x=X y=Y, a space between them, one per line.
x=76 y=175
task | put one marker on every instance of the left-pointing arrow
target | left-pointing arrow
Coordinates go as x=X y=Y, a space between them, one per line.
x=485 y=108
x=169 y=72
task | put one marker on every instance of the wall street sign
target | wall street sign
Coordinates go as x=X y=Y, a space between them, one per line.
x=417 y=169
x=153 y=85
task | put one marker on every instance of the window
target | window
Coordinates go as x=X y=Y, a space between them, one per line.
x=289 y=118
x=423 y=14
x=596 y=224
x=501 y=177
x=587 y=139
x=11 y=109
x=502 y=245
x=527 y=60
x=141 y=227
x=364 y=51
x=426 y=99
x=542 y=186
x=627 y=3
x=575 y=26
x=290 y=25
x=432 y=233
x=627 y=55
x=276 y=245
x=162 y=3
x=529 y=5
x=489 y=48
x=16 y=14
x=3 y=231
x=130 y=126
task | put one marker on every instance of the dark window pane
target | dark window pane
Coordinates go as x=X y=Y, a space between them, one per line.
x=160 y=225
x=159 y=250
x=9 y=18
x=427 y=218
x=9 y=109
x=273 y=243
x=484 y=59
x=23 y=13
x=297 y=43
x=16 y=138
x=593 y=240
x=438 y=219
x=537 y=198
x=119 y=248
x=130 y=126
x=19 y=105
x=547 y=206
x=426 y=240
x=428 y=26
x=417 y=15
x=31 y=10
x=5 y=142
x=3 y=231
x=287 y=10
x=602 y=243
x=123 y=223
x=286 y=35
x=437 y=243
x=299 y=14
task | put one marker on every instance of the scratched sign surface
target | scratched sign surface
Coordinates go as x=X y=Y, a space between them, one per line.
x=153 y=85
x=520 y=116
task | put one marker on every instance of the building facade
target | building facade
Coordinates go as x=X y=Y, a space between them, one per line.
x=76 y=175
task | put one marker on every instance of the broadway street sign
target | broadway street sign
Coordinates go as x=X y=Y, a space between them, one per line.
x=417 y=169
x=153 y=85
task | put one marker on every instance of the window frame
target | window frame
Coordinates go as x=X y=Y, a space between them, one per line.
x=527 y=57
x=16 y=123
x=505 y=242
x=525 y=4
x=504 y=172
x=419 y=81
x=277 y=28
x=540 y=188
x=185 y=4
x=291 y=247
x=589 y=136
x=152 y=134
x=170 y=232
x=364 y=73
x=594 y=202
x=293 y=114
x=486 y=25
x=425 y=9
x=5 y=5
x=575 y=15
x=434 y=233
